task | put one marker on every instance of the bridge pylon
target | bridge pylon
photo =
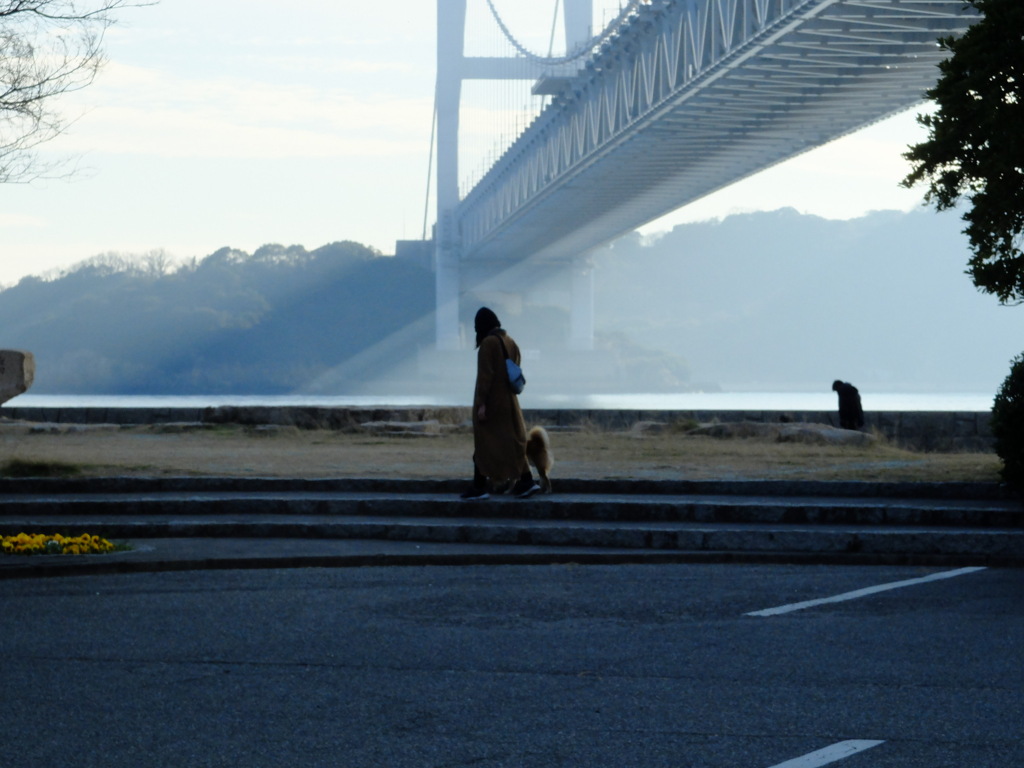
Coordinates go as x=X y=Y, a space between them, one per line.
x=453 y=66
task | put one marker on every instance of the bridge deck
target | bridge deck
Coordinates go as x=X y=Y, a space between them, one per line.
x=691 y=97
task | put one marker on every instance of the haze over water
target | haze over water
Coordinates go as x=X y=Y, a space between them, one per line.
x=685 y=401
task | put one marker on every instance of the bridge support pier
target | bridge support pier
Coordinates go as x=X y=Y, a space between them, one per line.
x=581 y=313
x=448 y=288
x=453 y=66
x=451 y=32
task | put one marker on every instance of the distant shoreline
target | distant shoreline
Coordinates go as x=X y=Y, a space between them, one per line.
x=918 y=430
x=962 y=402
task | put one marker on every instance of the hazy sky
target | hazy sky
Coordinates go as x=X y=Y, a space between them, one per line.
x=246 y=122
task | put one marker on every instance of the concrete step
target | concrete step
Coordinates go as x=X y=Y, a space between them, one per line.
x=929 y=527
x=985 y=545
x=618 y=486
x=991 y=546
x=607 y=508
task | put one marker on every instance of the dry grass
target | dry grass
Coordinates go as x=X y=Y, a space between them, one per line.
x=287 y=452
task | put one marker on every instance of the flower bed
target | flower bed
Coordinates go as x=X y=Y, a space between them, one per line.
x=54 y=544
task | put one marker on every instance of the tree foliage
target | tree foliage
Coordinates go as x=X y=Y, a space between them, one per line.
x=47 y=48
x=266 y=323
x=1008 y=424
x=974 y=147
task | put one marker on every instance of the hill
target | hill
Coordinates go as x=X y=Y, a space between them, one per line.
x=781 y=301
x=765 y=301
x=264 y=323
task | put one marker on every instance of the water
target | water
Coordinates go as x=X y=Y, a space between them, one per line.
x=684 y=401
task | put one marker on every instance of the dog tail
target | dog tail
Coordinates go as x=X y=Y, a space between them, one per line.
x=538 y=438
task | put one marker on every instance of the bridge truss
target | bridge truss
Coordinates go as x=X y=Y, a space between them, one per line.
x=688 y=97
x=682 y=98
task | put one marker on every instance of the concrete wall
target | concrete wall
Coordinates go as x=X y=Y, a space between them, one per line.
x=932 y=431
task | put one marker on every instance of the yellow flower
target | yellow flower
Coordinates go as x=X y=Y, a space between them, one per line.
x=41 y=543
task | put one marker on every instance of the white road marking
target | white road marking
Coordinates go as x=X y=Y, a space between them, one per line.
x=863 y=592
x=832 y=754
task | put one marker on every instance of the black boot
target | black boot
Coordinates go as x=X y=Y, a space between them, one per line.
x=525 y=487
x=478 y=490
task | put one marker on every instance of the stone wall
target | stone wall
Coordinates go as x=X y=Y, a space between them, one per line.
x=924 y=430
x=920 y=430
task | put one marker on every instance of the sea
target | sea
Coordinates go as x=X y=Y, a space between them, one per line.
x=683 y=401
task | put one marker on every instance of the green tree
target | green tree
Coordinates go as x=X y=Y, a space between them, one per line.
x=1008 y=424
x=974 y=147
x=47 y=48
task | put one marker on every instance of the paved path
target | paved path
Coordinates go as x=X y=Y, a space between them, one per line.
x=504 y=640
x=513 y=667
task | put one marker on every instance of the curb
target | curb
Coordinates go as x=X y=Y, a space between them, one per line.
x=850 y=489
x=496 y=559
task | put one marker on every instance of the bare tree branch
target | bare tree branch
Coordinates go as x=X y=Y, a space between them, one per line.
x=47 y=48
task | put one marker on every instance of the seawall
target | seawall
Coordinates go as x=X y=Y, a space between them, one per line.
x=921 y=430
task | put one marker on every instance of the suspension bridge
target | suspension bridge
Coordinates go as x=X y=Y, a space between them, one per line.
x=673 y=100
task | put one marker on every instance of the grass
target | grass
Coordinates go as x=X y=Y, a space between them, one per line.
x=706 y=458
x=38 y=468
x=586 y=454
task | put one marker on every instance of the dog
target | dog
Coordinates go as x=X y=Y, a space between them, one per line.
x=538 y=452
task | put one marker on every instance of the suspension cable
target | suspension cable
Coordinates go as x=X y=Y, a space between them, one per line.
x=554 y=26
x=430 y=166
x=580 y=51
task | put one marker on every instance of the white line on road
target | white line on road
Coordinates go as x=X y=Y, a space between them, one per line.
x=832 y=754
x=862 y=592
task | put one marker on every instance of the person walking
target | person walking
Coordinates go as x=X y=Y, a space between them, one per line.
x=499 y=433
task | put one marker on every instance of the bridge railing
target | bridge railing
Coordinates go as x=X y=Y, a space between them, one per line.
x=700 y=93
x=665 y=47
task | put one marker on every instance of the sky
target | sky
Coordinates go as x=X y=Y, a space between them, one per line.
x=244 y=122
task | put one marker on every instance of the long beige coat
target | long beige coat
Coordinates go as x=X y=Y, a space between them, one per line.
x=499 y=442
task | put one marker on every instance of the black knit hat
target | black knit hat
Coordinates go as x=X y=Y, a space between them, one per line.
x=485 y=322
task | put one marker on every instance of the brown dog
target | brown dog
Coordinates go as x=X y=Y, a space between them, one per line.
x=538 y=451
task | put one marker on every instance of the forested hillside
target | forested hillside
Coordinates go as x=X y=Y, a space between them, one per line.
x=269 y=322
x=771 y=301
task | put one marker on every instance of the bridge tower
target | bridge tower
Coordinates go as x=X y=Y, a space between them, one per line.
x=453 y=66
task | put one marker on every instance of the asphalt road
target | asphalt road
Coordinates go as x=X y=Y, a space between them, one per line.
x=598 y=666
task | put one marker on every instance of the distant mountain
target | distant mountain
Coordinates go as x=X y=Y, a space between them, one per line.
x=270 y=322
x=765 y=301
x=782 y=301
